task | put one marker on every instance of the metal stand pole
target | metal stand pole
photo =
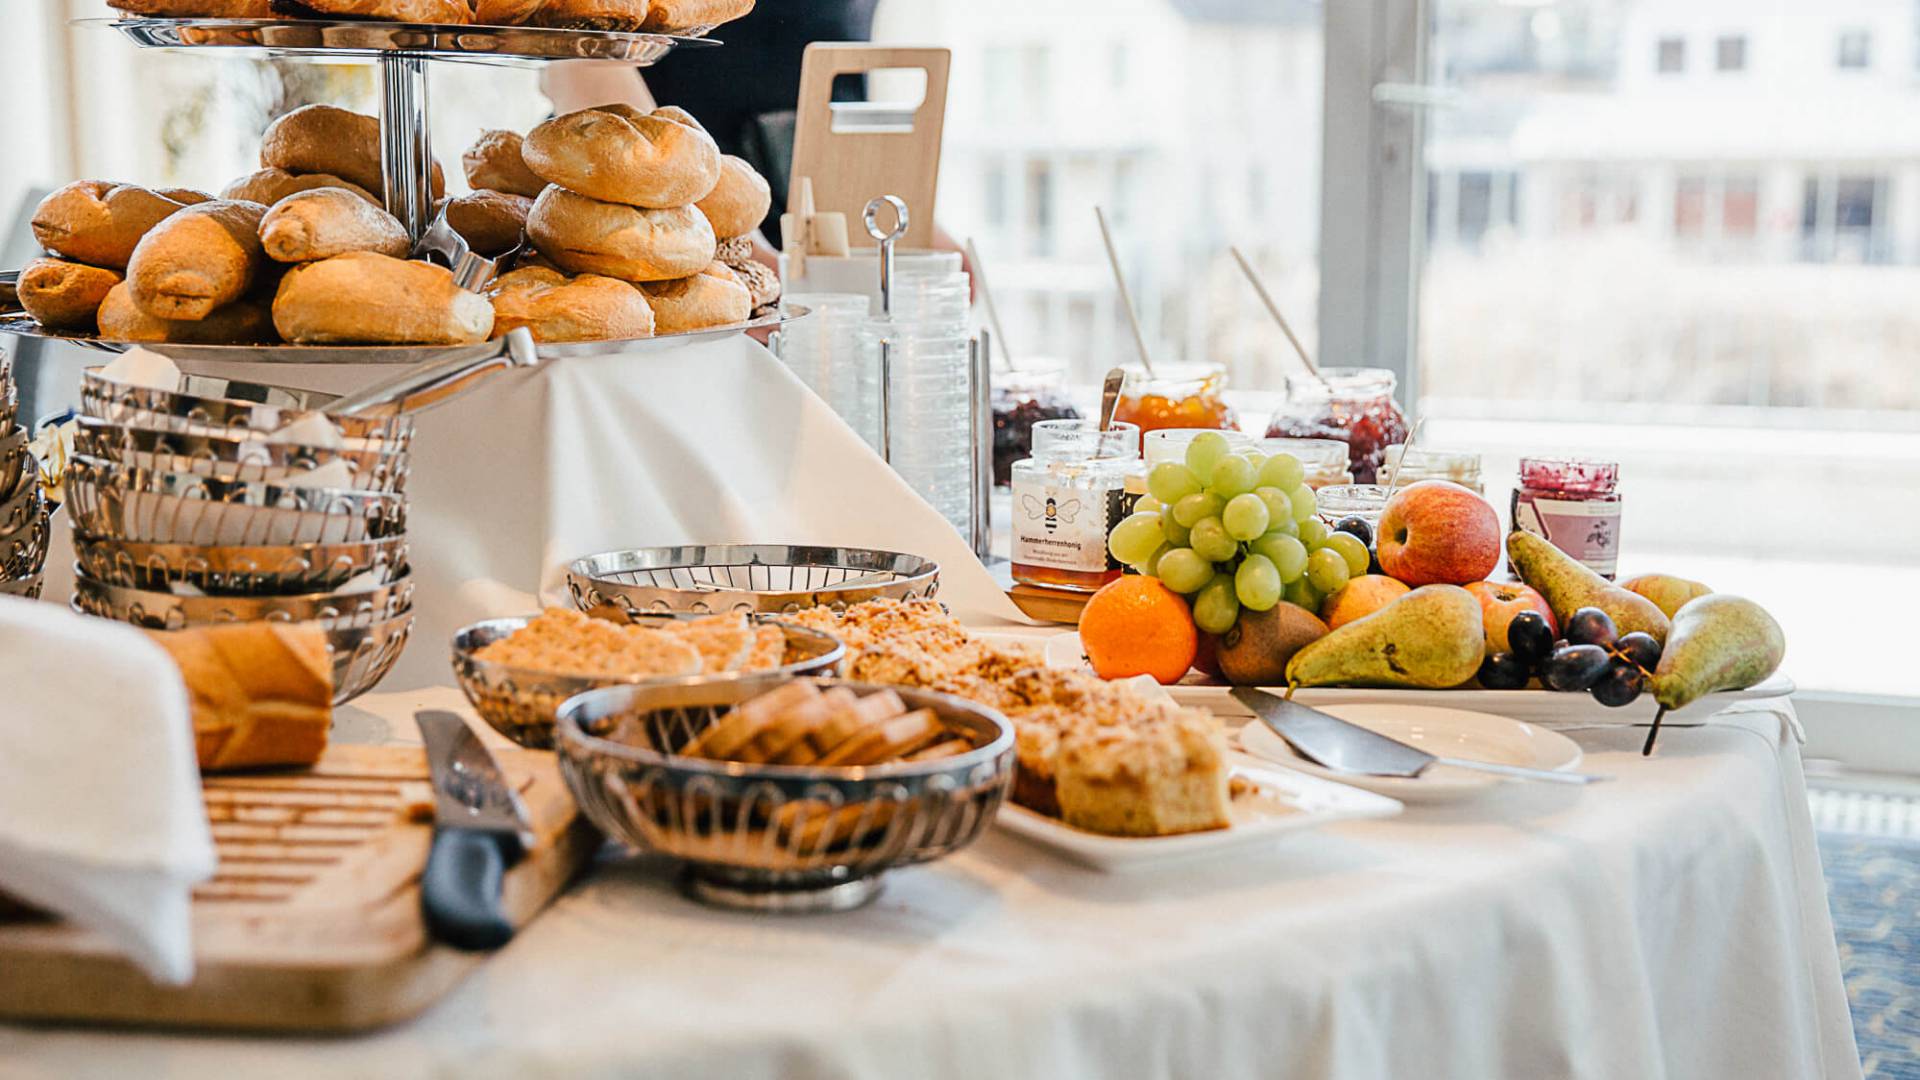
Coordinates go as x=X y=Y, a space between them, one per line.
x=406 y=155
x=979 y=364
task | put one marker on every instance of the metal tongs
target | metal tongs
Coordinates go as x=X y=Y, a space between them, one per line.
x=471 y=271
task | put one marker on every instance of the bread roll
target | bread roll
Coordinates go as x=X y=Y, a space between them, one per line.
x=185 y=196
x=665 y=16
x=198 y=259
x=739 y=201
x=261 y=693
x=759 y=278
x=246 y=321
x=713 y=297
x=587 y=236
x=269 y=186
x=323 y=139
x=362 y=298
x=198 y=9
x=491 y=222
x=493 y=163
x=97 y=222
x=64 y=295
x=505 y=12
x=592 y=14
x=420 y=11
x=617 y=153
x=324 y=222
x=554 y=307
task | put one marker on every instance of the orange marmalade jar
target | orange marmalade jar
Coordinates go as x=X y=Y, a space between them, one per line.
x=1175 y=396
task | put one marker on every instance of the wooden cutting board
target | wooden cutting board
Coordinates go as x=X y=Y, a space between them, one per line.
x=312 y=921
x=851 y=168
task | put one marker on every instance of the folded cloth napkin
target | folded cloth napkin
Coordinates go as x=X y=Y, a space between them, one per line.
x=101 y=820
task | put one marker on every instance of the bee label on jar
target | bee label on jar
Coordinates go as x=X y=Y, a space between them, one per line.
x=1064 y=528
x=1065 y=499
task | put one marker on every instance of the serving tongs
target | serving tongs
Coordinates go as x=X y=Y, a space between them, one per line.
x=472 y=271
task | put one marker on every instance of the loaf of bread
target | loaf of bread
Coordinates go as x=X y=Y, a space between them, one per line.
x=554 y=307
x=617 y=153
x=197 y=259
x=261 y=693
x=586 y=236
x=739 y=200
x=324 y=222
x=491 y=222
x=64 y=295
x=323 y=139
x=270 y=185
x=246 y=321
x=493 y=163
x=592 y=14
x=363 y=298
x=420 y=11
x=713 y=297
x=692 y=16
x=97 y=222
x=505 y=12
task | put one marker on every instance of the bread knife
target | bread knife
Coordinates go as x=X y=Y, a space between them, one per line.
x=480 y=830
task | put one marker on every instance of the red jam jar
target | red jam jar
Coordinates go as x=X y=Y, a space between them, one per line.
x=1575 y=505
x=1353 y=405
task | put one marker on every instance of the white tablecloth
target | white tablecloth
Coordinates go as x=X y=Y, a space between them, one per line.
x=1670 y=924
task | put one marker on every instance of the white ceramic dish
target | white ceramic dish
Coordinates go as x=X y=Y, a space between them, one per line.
x=1284 y=801
x=1458 y=733
x=1531 y=706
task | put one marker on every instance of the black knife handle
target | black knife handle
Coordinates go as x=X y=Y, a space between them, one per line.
x=460 y=888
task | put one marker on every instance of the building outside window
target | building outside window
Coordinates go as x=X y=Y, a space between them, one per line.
x=1671 y=58
x=1854 y=51
x=1730 y=53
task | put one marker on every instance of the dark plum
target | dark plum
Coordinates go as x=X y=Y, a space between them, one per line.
x=1576 y=667
x=1638 y=648
x=1504 y=671
x=1620 y=685
x=1591 y=626
x=1356 y=525
x=1530 y=638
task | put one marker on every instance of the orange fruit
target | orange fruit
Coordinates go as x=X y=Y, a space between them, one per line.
x=1137 y=626
x=1360 y=598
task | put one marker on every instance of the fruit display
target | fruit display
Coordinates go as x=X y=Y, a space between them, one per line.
x=1428 y=639
x=1667 y=592
x=1569 y=586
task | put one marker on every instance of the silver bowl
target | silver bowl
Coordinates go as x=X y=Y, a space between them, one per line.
x=775 y=837
x=520 y=703
x=362 y=655
x=27 y=587
x=264 y=570
x=376 y=466
x=125 y=503
x=23 y=551
x=23 y=503
x=164 y=611
x=208 y=405
x=779 y=578
x=13 y=457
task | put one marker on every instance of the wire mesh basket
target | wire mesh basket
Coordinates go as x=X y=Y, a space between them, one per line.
x=777 y=578
x=127 y=503
x=164 y=611
x=362 y=655
x=521 y=703
x=265 y=570
x=255 y=459
x=775 y=837
x=207 y=405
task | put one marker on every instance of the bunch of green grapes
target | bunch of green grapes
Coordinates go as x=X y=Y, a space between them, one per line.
x=1235 y=530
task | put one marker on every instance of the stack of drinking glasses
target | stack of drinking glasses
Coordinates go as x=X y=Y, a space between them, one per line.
x=200 y=500
x=24 y=511
x=823 y=350
x=927 y=433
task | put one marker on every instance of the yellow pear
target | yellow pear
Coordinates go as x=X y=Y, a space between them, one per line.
x=1431 y=638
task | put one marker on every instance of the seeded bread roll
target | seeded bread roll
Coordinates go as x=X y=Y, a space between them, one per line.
x=491 y=222
x=420 y=11
x=587 y=236
x=592 y=14
x=739 y=200
x=668 y=16
x=270 y=185
x=554 y=307
x=617 y=153
x=493 y=163
x=198 y=259
x=363 y=298
x=713 y=297
x=246 y=321
x=325 y=222
x=98 y=222
x=323 y=139
x=64 y=295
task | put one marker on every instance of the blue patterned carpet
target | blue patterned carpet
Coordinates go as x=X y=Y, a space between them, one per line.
x=1873 y=886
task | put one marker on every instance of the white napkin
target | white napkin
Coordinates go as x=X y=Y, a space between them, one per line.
x=310 y=429
x=101 y=820
x=143 y=368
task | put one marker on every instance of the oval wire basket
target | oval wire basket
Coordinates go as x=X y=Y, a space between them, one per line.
x=776 y=578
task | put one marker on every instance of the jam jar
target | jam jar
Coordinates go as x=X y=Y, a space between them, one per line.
x=1170 y=444
x=1339 y=501
x=1458 y=466
x=1067 y=497
x=1575 y=505
x=1176 y=396
x=1353 y=405
x=1021 y=399
x=1324 y=459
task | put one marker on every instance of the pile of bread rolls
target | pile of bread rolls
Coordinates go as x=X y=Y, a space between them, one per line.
x=651 y=16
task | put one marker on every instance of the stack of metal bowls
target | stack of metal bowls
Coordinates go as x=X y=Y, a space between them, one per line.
x=221 y=501
x=24 y=510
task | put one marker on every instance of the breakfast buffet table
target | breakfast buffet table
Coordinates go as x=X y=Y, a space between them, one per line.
x=1537 y=932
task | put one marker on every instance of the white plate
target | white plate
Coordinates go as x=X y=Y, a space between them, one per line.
x=1456 y=733
x=1533 y=706
x=1283 y=802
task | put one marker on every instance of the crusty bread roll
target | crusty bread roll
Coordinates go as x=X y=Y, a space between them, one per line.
x=666 y=16
x=505 y=12
x=198 y=259
x=270 y=185
x=324 y=222
x=261 y=693
x=323 y=139
x=98 y=222
x=739 y=200
x=712 y=297
x=362 y=298
x=64 y=295
x=617 y=153
x=592 y=14
x=199 y=9
x=491 y=222
x=246 y=321
x=587 y=236
x=493 y=163
x=185 y=196
x=759 y=278
x=420 y=11
x=554 y=307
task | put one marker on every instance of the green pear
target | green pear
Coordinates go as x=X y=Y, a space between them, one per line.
x=1433 y=638
x=1667 y=592
x=1569 y=586
x=1719 y=642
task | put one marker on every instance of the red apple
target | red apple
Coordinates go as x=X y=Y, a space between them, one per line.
x=1500 y=601
x=1436 y=532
